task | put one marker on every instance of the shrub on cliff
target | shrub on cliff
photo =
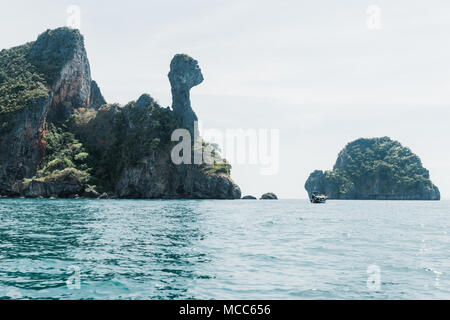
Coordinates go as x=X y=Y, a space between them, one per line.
x=64 y=152
x=68 y=175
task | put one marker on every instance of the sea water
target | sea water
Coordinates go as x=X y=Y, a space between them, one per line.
x=219 y=249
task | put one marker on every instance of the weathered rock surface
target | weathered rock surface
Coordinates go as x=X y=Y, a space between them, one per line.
x=269 y=196
x=96 y=99
x=248 y=197
x=159 y=178
x=50 y=189
x=184 y=74
x=22 y=148
x=61 y=55
x=90 y=193
x=375 y=169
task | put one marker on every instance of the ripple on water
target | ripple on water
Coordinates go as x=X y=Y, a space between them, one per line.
x=186 y=249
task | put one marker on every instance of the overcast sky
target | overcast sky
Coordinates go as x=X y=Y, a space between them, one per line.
x=312 y=69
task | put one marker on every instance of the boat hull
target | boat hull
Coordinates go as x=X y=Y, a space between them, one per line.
x=318 y=198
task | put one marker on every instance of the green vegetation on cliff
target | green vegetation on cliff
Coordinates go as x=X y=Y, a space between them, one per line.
x=66 y=158
x=21 y=83
x=383 y=158
x=27 y=71
x=218 y=165
x=377 y=168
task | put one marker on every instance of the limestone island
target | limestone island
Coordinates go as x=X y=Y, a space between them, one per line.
x=59 y=137
x=375 y=169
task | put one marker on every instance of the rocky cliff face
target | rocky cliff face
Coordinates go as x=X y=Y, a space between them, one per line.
x=157 y=177
x=22 y=148
x=60 y=138
x=184 y=74
x=377 y=169
x=58 y=64
x=61 y=56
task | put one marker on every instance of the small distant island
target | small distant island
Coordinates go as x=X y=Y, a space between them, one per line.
x=375 y=169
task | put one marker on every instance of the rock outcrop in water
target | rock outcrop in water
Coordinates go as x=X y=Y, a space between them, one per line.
x=269 y=196
x=60 y=138
x=378 y=169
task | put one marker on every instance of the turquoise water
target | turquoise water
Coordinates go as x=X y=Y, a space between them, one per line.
x=208 y=249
